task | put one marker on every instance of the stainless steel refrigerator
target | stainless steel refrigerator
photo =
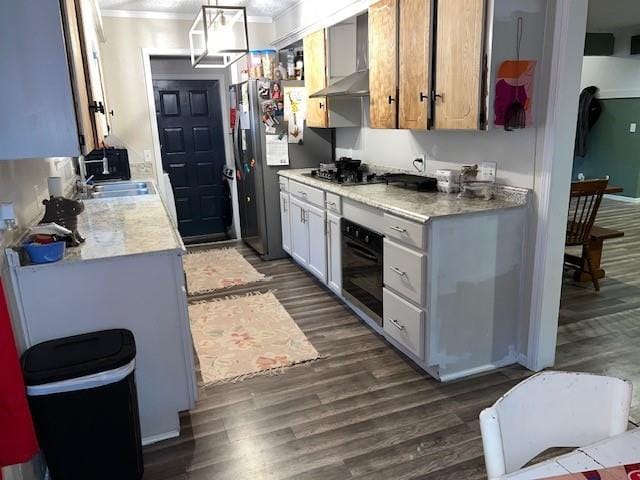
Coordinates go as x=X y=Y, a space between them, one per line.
x=257 y=182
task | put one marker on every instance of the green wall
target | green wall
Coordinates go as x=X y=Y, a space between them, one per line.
x=613 y=150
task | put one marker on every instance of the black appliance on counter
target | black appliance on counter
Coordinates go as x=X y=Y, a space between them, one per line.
x=421 y=183
x=362 y=272
x=345 y=171
x=117 y=159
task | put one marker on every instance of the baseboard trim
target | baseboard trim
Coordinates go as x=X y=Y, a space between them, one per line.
x=447 y=377
x=620 y=198
x=160 y=437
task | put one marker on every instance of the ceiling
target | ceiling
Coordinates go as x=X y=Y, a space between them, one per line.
x=255 y=8
x=611 y=14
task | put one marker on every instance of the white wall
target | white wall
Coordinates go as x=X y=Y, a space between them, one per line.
x=124 y=74
x=514 y=152
x=616 y=76
x=24 y=182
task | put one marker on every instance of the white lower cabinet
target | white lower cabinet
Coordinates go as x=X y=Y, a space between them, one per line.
x=404 y=322
x=405 y=271
x=284 y=220
x=299 y=231
x=308 y=240
x=334 y=253
x=315 y=221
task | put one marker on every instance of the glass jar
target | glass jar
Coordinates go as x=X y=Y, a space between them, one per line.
x=269 y=59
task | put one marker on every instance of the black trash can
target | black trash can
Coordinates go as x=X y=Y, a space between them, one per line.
x=82 y=394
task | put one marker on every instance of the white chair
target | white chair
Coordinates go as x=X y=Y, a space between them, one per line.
x=552 y=409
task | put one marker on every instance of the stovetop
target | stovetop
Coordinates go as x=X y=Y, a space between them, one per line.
x=347 y=178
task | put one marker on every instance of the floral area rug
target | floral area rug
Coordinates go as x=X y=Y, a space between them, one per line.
x=240 y=337
x=218 y=268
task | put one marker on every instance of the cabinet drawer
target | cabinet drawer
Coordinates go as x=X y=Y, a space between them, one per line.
x=309 y=194
x=405 y=271
x=412 y=233
x=284 y=184
x=404 y=323
x=334 y=203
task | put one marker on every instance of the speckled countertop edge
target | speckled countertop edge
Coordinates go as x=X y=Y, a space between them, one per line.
x=122 y=227
x=506 y=197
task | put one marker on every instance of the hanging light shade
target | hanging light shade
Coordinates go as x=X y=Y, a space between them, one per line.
x=218 y=36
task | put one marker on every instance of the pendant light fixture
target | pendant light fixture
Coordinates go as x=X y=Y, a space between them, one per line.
x=218 y=36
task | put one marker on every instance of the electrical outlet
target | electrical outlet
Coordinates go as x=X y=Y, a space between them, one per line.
x=419 y=162
x=147 y=156
x=488 y=171
x=632 y=128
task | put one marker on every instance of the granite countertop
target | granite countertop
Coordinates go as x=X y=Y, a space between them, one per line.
x=411 y=204
x=115 y=227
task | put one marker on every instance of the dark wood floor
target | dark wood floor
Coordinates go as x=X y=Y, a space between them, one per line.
x=366 y=412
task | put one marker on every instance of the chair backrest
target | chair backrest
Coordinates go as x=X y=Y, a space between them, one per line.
x=583 y=207
x=552 y=409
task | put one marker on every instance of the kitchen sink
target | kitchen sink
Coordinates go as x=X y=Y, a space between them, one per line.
x=119 y=186
x=121 y=189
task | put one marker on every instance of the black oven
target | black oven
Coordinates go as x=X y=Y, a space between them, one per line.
x=362 y=268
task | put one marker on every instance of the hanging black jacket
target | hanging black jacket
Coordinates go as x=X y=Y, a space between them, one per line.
x=589 y=110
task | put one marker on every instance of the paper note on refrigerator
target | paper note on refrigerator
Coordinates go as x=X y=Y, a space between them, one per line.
x=295 y=99
x=277 y=150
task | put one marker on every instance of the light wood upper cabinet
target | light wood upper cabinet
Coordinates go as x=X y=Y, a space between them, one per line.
x=415 y=61
x=459 y=64
x=383 y=64
x=315 y=77
x=86 y=123
x=86 y=10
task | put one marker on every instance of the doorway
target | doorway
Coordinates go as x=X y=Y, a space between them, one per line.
x=191 y=134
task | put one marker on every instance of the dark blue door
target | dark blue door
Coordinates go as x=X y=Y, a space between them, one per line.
x=192 y=143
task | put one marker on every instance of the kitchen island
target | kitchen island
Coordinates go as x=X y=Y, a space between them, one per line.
x=127 y=274
x=440 y=277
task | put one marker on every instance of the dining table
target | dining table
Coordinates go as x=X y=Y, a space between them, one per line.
x=599 y=461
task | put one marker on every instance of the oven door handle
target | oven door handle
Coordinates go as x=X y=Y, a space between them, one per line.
x=361 y=252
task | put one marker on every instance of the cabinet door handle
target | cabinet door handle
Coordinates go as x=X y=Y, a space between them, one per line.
x=398 y=229
x=397 y=324
x=435 y=95
x=423 y=97
x=284 y=206
x=391 y=99
x=321 y=105
x=398 y=271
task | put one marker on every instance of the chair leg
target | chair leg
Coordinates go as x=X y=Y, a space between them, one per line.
x=592 y=272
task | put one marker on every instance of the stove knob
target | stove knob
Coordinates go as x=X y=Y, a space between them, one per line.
x=348 y=229
x=357 y=233
x=366 y=239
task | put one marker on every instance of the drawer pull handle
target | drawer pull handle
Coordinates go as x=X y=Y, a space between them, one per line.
x=397 y=324
x=398 y=271
x=304 y=194
x=331 y=204
x=398 y=229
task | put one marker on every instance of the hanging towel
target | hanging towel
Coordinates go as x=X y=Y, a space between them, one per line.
x=18 y=442
x=514 y=81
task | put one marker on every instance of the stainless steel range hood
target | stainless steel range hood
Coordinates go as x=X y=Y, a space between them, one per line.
x=356 y=84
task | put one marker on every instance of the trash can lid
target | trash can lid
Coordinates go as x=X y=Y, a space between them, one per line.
x=77 y=356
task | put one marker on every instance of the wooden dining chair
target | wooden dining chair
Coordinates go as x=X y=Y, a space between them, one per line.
x=584 y=203
x=552 y=409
